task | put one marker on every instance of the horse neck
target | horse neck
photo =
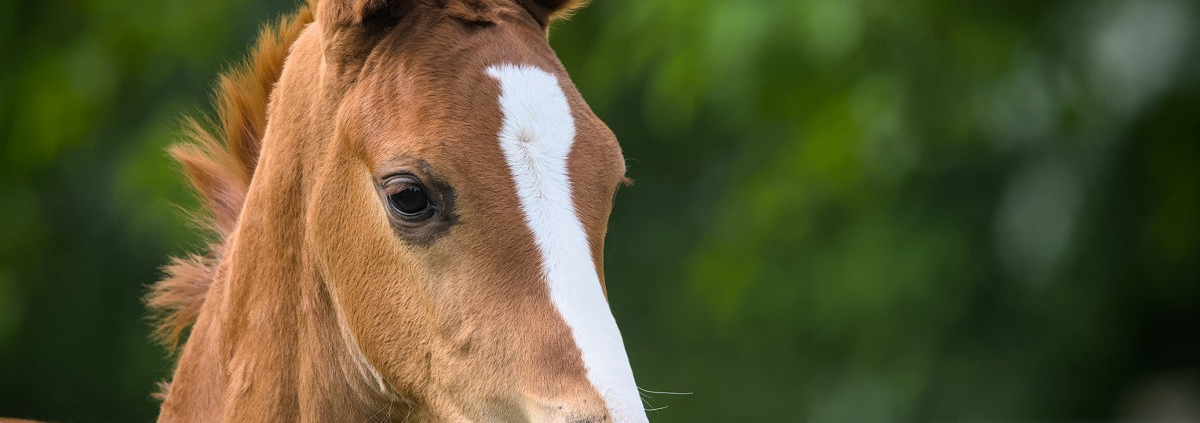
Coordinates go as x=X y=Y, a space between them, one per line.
x=267 y=345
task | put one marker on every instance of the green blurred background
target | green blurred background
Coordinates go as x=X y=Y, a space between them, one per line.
x=845 y=210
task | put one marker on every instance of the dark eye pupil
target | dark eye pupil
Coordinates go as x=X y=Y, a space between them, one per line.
x=411 y=200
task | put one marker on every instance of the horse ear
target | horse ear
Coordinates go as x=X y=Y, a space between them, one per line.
x=351 y=28
x=548 y=11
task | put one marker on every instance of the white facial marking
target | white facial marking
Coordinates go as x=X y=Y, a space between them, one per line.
x=536 y=138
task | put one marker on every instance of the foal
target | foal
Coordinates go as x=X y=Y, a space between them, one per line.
x=411 y=199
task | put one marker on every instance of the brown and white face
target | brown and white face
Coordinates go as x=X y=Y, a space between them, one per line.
x=460 y=213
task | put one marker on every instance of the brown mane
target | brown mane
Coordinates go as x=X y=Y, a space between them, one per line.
x=219 y=163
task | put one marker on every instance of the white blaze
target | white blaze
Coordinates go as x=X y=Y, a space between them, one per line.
x=536 y=137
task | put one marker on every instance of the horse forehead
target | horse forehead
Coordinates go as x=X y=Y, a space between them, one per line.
x=448 y=113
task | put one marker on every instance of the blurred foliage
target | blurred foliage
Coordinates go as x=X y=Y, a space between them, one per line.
x=845 y=210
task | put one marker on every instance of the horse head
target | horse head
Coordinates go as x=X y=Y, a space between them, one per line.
x=417 y=232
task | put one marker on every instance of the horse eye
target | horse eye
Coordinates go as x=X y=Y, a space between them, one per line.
x=410 y=201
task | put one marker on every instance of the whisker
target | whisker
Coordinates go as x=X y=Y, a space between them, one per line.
x=378 y=412
x=391 y=403
x=648 y=404
x=664 y=392
x=644 y=395
x=653 y=408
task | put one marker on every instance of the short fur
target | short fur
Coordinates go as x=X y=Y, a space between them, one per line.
x=311 y=305
x=219 y=164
